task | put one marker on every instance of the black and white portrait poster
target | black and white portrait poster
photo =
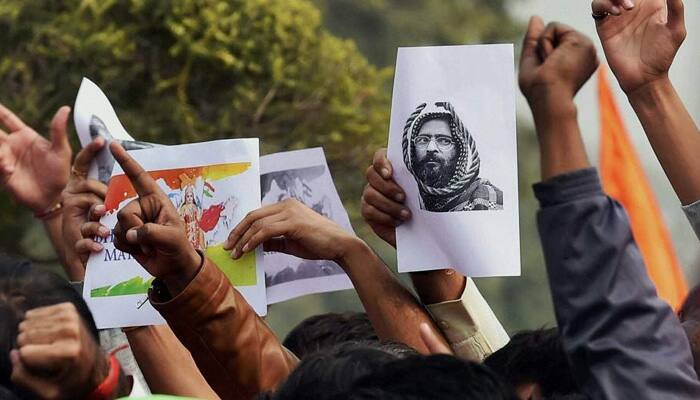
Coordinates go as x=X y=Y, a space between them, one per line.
x=453 y=147
x=301 y=175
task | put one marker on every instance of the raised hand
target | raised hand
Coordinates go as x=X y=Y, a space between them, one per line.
x=383 y=199
x=150 y=229
x=33 y=169
x=556 y=60
x=79 y=196
x=640 y=39
x=56 y=356
x=293 y=228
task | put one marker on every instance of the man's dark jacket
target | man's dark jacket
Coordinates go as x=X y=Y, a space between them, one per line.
x=623 y=341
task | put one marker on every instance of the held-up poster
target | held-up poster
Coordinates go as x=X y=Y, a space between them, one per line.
x=302 y=175
x=212 y=185
x=452 y=144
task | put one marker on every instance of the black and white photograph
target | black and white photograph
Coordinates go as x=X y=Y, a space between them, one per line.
x=104 y=160
x=453 y=149
x=443 y=157
x=94 y=116
x=302 y=175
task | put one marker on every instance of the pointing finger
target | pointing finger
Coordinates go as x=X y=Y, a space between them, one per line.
x=142 y=181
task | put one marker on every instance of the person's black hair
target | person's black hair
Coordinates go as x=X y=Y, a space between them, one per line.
x=24 y=287
x=397 y=349
x=436 y=377
x=535 y=357
x=327 y=330
x=570 y=396
x=326 y=374
x=6 y=394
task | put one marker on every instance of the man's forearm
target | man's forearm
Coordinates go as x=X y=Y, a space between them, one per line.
x=438 y=286
x=233 y=348
x=394 y=312
x=561 y=146
x=673 y=135
x=623 y=341
x=166 y=364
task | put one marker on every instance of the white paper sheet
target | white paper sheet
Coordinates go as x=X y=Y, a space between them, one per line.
x=461 y=86
x=303 y=175
x=94 y=116
x=216 y=196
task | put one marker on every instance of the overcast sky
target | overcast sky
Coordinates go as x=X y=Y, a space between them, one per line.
x=686 y=76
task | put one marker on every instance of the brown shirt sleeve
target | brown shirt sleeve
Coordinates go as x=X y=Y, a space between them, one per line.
x=234 y=349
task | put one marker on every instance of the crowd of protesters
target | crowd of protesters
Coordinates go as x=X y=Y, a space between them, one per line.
x=616 y=339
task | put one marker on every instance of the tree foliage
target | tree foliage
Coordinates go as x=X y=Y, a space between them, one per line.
x=380 y=26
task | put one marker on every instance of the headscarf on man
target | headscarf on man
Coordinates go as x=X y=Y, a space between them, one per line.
x=468 y=162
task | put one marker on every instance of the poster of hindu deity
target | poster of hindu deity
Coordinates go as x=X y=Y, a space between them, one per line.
x=212 y=185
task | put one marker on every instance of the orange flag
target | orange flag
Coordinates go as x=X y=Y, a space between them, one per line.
x=624 y=179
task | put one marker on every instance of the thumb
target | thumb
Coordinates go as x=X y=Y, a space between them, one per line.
x=87 y=154
x=529 y=57
x=59 y=129
x=382 y=164
x=21 y=375
x=676 y=18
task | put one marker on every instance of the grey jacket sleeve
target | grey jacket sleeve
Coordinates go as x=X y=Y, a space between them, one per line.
x=692 y=211
x=622 y=340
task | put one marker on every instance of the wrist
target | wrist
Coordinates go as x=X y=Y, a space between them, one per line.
x=551 y=105
x=438 y=286
x=50 y=200
x=551 y=110
x=649 y=94
x=52 y=210
x=352 y=249
x=559 y=137
x=101 y=370
x=177 y=282
x=549 y=95
x=106 y=387
x=659 y=81
x=554 y=121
